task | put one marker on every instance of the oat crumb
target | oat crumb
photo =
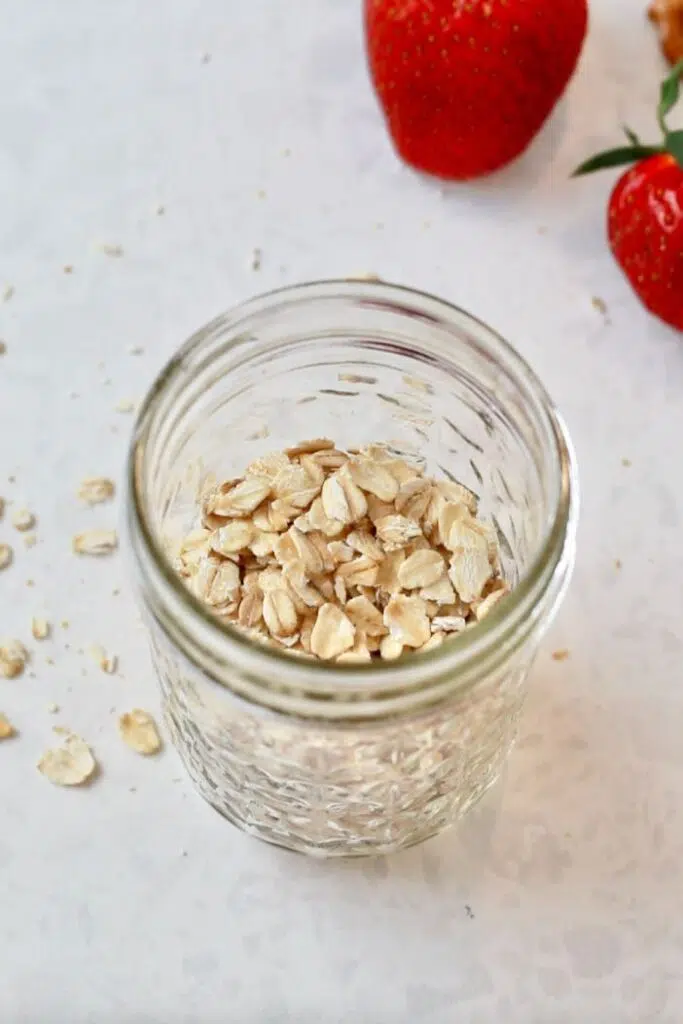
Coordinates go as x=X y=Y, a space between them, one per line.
x=95 y=542
x=23 y=520
x=561 y=655
x=40 y=628
x=364 y=275
x=139 y=731
x=7 y=292
x=72 y=764
x=107 y=662
x=95 y=490
x=6 y=728
x=626 y=463
x=6 y=556
x=13 y=658
x=115 y=251
x=68 y=269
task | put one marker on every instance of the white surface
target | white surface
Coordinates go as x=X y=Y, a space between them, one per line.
x=132 y=901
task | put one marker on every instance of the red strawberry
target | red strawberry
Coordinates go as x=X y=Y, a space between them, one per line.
x=645 y=219
x=466 y=84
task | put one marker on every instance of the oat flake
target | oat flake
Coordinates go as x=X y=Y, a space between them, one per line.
x=138 y=729
x=72 y=764
x=6 y=728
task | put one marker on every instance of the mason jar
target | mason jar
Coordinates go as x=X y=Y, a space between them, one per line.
x=324 y=758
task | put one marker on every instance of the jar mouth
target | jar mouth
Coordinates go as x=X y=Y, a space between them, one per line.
x=277 y=679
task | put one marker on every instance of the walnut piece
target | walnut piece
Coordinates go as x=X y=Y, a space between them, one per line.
x=668 y=16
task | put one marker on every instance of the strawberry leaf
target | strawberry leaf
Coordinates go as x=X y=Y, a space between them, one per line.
x=631 y=135
x=669 y=95
x=674 y=145
x=616 y=158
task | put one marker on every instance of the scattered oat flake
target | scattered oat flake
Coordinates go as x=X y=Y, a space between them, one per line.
x=5 y=556
x=3 y=348
x=107 y=662
x=617 y=563
x=95 y=542
x=626 y=463
x=138 y=729
x=7 y=292
x=125 y=406
x=40 y=628
x=23 y=520
x=94 y=490
x=599 y=304
x=6 y=728
x=30 y=540
x=112 y=250
x=13 y=658
x=561 y=655
x=53 y=709
x=72 y=764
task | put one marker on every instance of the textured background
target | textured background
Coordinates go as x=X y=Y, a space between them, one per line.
x=559 y=900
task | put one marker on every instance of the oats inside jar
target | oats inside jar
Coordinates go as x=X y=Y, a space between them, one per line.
x=346 y=556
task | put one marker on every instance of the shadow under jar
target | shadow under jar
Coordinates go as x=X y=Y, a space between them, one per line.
x=327 y=759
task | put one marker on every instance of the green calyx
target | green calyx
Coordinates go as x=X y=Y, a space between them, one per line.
x=672 y=143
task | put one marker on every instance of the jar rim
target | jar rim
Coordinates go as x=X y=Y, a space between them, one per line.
x=378 y=686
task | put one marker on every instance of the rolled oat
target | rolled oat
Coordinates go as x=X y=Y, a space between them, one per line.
x=344 y=557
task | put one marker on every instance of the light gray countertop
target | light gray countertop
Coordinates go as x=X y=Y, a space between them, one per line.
x=559 y=900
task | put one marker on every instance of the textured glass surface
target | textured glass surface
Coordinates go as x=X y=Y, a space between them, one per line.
x=357 y=371
x=330 y=789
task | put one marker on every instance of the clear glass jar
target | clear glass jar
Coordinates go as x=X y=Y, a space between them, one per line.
x=348 y=760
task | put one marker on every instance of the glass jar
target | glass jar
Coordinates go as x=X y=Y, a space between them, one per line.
x=338 y=759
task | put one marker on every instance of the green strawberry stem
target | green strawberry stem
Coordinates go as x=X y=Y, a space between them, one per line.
x=672 y=143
